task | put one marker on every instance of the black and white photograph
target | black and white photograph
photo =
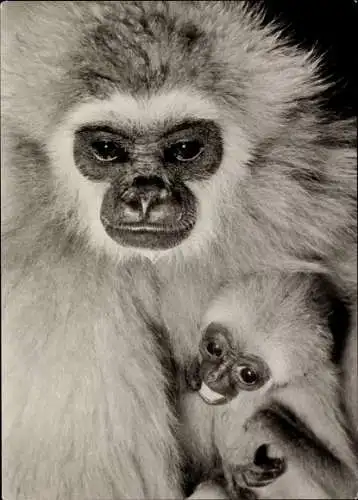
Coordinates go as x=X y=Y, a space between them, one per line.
x=179 y=250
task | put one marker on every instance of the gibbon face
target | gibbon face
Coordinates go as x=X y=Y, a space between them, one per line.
x=147 y=203
x=140 y=150
x=146 y=157
x=157 y=141
x=222 y=370
x=249 y=342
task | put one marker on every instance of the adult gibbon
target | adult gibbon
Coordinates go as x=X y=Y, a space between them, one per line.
x=178 y=138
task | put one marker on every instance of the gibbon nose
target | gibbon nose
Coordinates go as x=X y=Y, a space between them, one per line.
x=221 y=381
x=147 y=200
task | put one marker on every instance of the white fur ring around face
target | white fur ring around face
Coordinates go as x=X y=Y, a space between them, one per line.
x=210 y=396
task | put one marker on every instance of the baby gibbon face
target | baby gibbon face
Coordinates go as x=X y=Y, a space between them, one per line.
x=259 y=334
x=222 y=370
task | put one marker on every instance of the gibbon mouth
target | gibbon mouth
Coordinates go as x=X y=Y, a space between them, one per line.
x=165 y=224
x=212 y=397
x=147 y=235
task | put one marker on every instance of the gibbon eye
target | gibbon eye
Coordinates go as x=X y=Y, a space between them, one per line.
x=251 y=374
x=247 y=375
x=214 y=349
x=184 y=151
x=215 y=344
x=108 y=151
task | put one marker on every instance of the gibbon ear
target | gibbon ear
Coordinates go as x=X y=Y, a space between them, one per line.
x=335 y=310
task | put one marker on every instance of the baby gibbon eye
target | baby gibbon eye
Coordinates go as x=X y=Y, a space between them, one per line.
x=251 y=375
x=247 y=375
x=215 y=345
x=214 y=349
x=108 y=151
x=183 y=151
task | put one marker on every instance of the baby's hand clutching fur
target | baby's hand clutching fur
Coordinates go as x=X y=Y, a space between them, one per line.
x=268 y=464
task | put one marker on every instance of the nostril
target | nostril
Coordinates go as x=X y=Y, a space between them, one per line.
x=135 y=204
x=153 y=181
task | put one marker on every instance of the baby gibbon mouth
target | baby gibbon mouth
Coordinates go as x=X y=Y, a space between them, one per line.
x=212 y=397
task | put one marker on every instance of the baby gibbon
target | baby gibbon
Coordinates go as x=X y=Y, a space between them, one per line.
x=266 y=392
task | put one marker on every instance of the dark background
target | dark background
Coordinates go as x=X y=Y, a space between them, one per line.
x=331 y=27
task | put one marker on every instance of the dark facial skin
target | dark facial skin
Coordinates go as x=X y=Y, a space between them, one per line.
x=226 y=371
x=223 y=368
x=148 y=204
